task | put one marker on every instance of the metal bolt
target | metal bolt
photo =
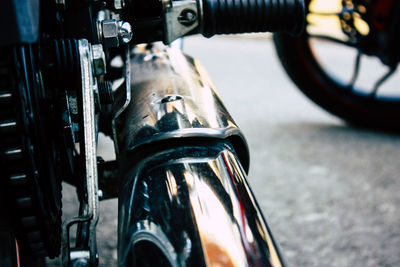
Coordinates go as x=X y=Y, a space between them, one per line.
x=99 y=59
x=110 y=32
x=106 y=93
x=187 y=17
x=125 y=32
x=116 y=32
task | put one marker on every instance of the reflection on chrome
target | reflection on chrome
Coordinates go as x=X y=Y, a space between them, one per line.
x=201 y=204
x=173 y=97
x=221 y=243
x=171 y=183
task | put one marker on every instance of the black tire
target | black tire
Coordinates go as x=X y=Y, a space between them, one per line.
x=300 y=63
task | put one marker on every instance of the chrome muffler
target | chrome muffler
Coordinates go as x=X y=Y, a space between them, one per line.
x=184 y=199
x=172 y=97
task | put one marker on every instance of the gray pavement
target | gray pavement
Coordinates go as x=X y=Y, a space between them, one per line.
x=329 y=192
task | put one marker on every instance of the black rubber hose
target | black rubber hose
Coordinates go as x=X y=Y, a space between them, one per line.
x=244 y=16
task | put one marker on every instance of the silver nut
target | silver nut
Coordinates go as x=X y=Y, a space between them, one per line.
x=99 y=59
x=110 y=32
x=125 y=32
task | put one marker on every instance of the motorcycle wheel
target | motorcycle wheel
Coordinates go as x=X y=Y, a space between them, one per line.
x=355 y=105
x=190 y=205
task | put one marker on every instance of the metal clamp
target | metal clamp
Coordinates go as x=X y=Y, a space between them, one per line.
x=181 y=17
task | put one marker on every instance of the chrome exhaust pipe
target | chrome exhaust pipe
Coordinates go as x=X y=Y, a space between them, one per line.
x=184 y=199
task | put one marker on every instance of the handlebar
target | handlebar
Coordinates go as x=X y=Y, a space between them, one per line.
x=245 y=16
x=173 y=19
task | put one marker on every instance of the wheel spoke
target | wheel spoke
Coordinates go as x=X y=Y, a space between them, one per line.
x=356 y=71
x=381 y=81
x=332 y=39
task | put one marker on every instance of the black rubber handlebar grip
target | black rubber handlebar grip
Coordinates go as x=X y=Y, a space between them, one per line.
x=245 y=16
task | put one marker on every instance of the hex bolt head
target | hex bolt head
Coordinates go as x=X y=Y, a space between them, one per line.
x=99 y=59
x=116 y=32
x=110 y=31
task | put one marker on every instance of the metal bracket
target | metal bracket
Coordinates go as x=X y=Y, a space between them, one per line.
x=181 y=17
x=127 y=74
x=91 y=210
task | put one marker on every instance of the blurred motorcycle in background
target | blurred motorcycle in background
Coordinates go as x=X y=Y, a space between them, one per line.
x=366 y=30
x=70 y=69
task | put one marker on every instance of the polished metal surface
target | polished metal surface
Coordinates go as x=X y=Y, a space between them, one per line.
x=195 y=207
x=181 y=17
x=88 y=148
x=89 y=84
x=125 y=32
x=172 y=98
x=110 y=30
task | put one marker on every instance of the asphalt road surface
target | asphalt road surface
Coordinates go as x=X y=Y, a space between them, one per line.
x=329 y=191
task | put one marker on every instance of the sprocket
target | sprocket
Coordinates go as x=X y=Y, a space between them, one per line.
x=29 y=153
